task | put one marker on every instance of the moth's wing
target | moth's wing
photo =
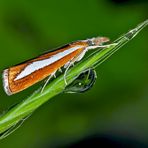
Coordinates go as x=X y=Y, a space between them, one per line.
x=16 y=80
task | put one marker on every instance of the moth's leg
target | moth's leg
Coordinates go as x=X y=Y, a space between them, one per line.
x=68 y=66
x=53 y=74
x=75 y=59
x=60 y=70
x=81 y=55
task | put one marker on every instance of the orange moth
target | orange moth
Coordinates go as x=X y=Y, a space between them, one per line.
x=24 y=75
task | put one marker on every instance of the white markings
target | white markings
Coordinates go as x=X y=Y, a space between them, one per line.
x=5 y=82
x=43 y=63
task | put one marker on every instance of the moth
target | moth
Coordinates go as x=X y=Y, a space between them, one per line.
x=24 y=75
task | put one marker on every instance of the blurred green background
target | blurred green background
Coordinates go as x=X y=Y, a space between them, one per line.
x=115 y=110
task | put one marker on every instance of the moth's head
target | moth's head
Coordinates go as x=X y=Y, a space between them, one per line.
x=98 y=41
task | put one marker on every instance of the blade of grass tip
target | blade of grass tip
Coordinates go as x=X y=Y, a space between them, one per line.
x=121 y=41
x=27 y=106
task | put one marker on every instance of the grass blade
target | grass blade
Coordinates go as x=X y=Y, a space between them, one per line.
x=55 y=87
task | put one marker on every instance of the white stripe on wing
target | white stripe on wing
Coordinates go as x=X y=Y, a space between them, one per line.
x=43 y=63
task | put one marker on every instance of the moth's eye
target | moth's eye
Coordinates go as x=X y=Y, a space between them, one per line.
x=90 y=43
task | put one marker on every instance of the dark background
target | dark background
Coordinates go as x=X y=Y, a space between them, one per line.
x=115 y=111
